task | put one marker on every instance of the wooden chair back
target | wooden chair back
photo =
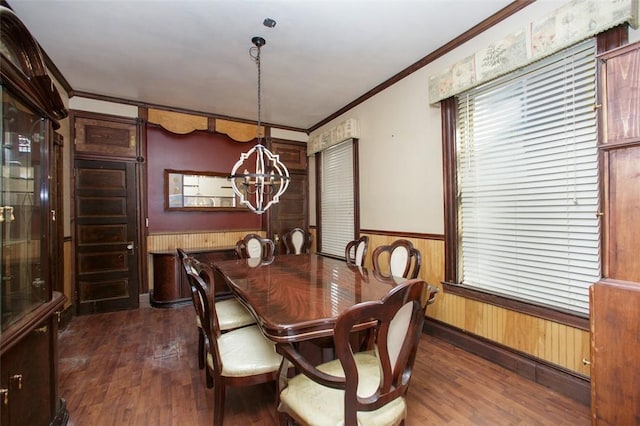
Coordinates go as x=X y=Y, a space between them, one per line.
x=202 y=296
x=253 y=246
x=356 y=251
x=395 y=326
x=297 y=241
x=240 y=357
x=399 y=259
x=186 y=261
x=399 y=318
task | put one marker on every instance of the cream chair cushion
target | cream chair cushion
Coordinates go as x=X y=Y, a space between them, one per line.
x=359 y=255
x=315 y=404
x=232 y=314
x=254 y=248
x=245 y=352
x=297 y=238
x=398 y=261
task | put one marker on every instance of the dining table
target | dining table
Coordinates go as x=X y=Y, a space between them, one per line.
x=299 y=297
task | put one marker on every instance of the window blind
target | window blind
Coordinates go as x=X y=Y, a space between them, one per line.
x=337 y=198
x=528 y=182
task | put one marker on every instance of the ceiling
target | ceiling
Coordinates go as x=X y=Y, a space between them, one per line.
x=194 y=55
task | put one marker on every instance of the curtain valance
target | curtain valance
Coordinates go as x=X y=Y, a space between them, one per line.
x=567 y=25
x=348 y=129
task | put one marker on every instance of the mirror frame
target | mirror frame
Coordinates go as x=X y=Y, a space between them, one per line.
x=167 y=172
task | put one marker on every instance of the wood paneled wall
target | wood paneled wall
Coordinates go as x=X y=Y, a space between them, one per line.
x=195 y=240
x=171 y=241
x=551 y=342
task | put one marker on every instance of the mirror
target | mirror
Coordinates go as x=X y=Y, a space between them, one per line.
x=199 y=191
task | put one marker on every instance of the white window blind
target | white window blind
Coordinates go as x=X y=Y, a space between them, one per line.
x=528 y=182
x=336 y=198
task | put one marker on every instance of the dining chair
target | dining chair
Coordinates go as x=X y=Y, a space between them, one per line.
x=231 y=313
x=356 y=251
x=398 y=259
x=255 y=246
x=360 y=387
x=297 y=241
x=239 y=357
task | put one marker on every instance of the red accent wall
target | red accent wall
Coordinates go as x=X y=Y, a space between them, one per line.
x=199 y=151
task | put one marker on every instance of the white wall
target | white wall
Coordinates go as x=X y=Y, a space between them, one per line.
x=103 y=107
x=401 y=185
x=289 y=135
x=634 y=35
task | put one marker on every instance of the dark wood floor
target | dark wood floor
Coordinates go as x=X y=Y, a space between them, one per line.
x=139 y=368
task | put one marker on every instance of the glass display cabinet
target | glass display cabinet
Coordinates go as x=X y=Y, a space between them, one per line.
x=21 y=228
x=31 y=108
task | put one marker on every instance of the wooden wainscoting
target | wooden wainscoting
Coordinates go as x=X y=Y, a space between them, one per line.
x=171 y=241
x=195 y=240
x=547 y=341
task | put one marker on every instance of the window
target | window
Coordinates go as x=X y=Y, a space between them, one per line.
x=336 y=199
x=527 y=181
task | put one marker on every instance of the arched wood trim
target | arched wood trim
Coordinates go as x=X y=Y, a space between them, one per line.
x=239 y=132
x=182 y=124
x=177 y=122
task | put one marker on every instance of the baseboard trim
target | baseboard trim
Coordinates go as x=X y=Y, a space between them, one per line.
x=553 y=377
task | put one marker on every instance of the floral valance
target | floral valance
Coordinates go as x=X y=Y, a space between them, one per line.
x=567 y=25
x=346 y=130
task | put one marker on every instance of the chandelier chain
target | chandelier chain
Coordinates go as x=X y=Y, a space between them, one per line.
x=257 y=60
x=269 y=178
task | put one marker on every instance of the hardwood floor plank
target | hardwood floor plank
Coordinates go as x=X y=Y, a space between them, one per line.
x=139 y=368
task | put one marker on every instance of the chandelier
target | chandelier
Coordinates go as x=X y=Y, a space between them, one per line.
x=259 y=178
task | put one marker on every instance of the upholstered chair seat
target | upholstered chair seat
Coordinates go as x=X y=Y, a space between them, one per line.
x=316 y=404
x=239 y=357
x=232 y=314
x=245 y=352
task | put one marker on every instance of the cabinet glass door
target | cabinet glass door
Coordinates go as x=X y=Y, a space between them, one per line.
x=22 y=270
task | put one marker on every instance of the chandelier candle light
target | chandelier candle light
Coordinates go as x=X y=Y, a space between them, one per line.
x=261 y=188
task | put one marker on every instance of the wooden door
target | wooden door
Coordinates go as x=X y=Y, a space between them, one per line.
x=615 y=300
x=620 y=150
x=106 y=236
x=292 y=210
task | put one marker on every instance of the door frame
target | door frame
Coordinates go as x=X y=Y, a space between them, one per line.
x=134 y=155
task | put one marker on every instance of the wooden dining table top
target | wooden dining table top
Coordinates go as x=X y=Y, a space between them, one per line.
x=299 y=297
